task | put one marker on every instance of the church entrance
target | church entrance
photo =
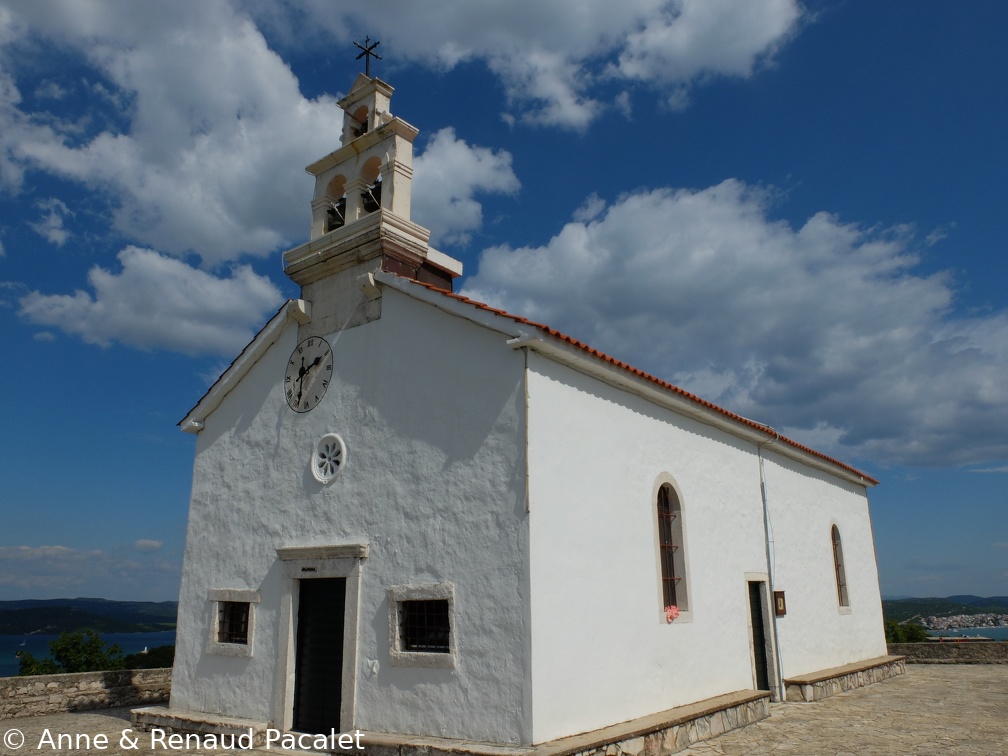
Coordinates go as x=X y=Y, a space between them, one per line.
x=318 y=665
x=759 y=636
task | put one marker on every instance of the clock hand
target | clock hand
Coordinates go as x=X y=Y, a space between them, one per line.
x=300 y=380
x=306 y=370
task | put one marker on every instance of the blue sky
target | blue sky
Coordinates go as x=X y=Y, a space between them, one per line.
x=792 y=209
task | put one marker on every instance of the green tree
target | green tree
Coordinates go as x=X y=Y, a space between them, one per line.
x=79 y=651
x=905 y=632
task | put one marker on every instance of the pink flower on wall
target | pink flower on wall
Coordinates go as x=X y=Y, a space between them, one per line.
x=671 y=612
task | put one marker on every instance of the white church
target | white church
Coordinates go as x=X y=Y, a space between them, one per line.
x=416 y=515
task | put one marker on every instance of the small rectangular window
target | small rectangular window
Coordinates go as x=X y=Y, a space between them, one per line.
x=423 y=631
x=425 y=626
x=232 y=622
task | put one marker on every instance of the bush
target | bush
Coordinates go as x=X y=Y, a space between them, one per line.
x=157 y=657
x=79 y=651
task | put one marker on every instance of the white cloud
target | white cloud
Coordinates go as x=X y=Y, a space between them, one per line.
x=447 y=176
x=146 y=544
x=552 y=56
x=50 y=227
x=62 y=572
x=159 y=302
x=204 y=163
x=546 y=88
x=824 y=331
x=590 y=209
x=50 y=90
x=687 y=40
x=183 y=155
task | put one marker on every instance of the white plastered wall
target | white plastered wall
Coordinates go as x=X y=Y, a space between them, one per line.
x=602 y=652
x=817 y=633
x=431 y=408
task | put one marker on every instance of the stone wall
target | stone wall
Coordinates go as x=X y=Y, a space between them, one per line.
x=952 y=652
x=50 y=694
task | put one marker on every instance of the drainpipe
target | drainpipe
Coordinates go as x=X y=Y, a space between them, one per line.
x=770 y=563
x=521 y=341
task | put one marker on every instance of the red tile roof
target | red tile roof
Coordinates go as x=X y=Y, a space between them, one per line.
x=770 y=432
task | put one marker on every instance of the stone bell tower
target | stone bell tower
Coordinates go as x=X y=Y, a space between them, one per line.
x=361 y=217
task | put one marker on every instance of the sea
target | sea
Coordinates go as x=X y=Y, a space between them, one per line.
x=997 y=633
x=38 y=645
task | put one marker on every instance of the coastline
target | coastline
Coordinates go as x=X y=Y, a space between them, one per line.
x=38 y=645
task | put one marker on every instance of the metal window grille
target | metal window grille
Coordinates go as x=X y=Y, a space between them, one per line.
x=232 y=622
x=424 y=626
x=667 y=546
x=838 y=566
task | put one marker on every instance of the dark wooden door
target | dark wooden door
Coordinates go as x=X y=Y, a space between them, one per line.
x=318 y=666
x=758 y=637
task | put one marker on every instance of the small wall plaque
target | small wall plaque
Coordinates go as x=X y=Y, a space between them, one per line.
x=780 y=607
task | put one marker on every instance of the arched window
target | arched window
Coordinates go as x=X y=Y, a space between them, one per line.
x=336 y=209
x=371 y=196
x=671 y=549
x=838 y=566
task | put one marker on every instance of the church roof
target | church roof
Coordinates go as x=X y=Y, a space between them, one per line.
x=554 y=334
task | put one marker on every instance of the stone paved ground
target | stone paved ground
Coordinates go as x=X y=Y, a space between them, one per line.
x=932 y=709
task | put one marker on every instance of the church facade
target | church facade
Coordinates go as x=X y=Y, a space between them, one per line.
x=415 y=514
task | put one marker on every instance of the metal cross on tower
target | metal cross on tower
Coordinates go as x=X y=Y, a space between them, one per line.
x=368 y=53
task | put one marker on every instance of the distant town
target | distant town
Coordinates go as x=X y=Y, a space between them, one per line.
x=949 y=613
x=962 y=621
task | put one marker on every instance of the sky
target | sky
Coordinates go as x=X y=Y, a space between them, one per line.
x=793 y=209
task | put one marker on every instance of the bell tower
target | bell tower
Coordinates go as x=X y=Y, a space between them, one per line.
x=361 y=217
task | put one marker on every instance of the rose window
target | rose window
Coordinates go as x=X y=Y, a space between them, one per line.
x=329 y=458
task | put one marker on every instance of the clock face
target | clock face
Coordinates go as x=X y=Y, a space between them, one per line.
x=309 y=371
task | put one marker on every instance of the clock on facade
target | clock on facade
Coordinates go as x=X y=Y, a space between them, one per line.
x=309 y=371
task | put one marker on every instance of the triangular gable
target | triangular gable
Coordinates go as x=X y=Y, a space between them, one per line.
x=293 y=309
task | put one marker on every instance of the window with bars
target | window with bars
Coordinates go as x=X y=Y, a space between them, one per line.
x=838 y=568
x=233 y=622
x=668 y=544
x=423 y=631
x=671 y=544
x=425 y=626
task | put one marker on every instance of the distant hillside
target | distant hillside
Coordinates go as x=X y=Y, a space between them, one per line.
x=990 y=602
x=901 y=610
x=60 y=615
